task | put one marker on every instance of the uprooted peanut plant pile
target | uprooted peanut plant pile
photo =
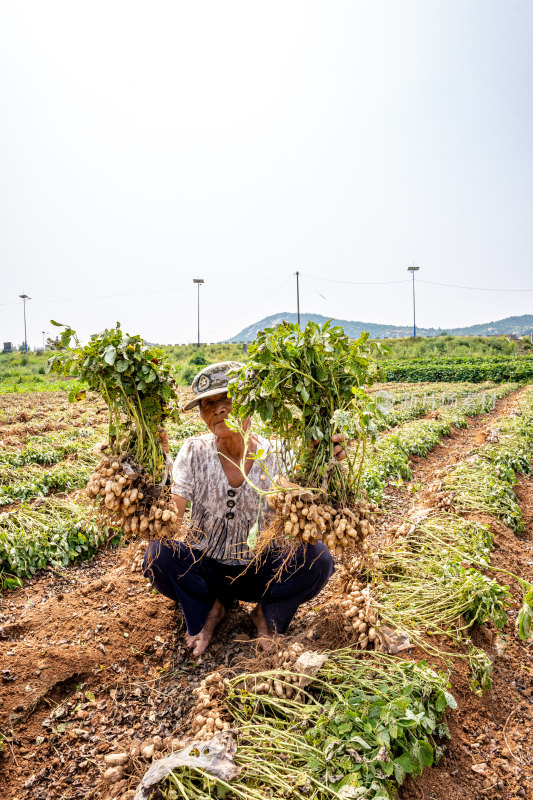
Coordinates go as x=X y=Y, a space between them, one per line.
x=306 y=386
x=137 y=384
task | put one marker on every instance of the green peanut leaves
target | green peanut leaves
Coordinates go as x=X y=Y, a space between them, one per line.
x=305 y=385
x=136 y=381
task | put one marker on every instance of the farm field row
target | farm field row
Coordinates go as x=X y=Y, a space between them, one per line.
x=57 y=461
x=462 y=517
x=366 y=723
x=460 y=369
x=473 y=359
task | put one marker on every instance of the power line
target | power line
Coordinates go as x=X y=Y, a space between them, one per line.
x=355 y=283
x=474 y=288
x=250 y=280
x=12 y=319
x=249 y=310
x=433 y=283
x=167 y=290
x=108 y=296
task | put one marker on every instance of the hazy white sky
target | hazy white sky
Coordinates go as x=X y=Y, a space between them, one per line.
x=143 y=144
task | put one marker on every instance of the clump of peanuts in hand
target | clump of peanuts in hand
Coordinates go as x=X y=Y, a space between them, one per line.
x=209 y=716
x=359 y=619
x=308 y=519
x=130 y=499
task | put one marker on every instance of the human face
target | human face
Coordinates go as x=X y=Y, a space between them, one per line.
x=214 y=411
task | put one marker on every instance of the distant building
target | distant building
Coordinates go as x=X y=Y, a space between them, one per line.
x=8 y=347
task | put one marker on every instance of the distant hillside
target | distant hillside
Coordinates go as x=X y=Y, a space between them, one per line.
x=511 y=325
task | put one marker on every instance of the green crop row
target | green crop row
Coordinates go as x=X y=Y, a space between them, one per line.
x=498 y=359
x=37 y=384
x=55 y=532
x=467 y=369
x=24 y=483
x=485 y=481
x=510 y=443
x=388 y=458
x=52 y=447
x=425 y=581
x=405 y=405
x=477 y=485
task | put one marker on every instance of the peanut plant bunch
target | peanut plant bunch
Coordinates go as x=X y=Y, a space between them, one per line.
x=136 y=382
x=356 y=729
x=306 y=385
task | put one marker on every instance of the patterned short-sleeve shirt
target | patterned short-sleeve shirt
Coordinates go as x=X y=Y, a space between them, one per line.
x=222 y=515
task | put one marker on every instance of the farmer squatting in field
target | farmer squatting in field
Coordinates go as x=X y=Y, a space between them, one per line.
x=207 y=576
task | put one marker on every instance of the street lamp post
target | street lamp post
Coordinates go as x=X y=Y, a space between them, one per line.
x=25 y=297
x=198 y=281
x=412 y=270
x=298 y=295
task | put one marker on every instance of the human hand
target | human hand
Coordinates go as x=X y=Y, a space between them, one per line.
x=339 y=451
x=164 y=440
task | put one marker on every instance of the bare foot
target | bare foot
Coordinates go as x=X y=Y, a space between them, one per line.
x=200 y=642
x=265 y=635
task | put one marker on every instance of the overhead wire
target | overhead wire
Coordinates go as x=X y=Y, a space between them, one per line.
x=409 y=280
x=263 y=299
x=473 y=288
x=216 y=284
x=188 y=287
x=166 y=290
x=12 y=319
x=104 y=296
x=355 y=283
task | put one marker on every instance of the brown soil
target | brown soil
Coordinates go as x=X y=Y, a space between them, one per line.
x=25 y=415
x=92 y=661
x=490 y=753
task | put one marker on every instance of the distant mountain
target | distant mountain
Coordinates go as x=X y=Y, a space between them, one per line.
x=519 y=326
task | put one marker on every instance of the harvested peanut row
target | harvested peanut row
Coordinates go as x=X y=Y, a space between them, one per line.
x=445 y=501
x=359 y=617
x=209 y=715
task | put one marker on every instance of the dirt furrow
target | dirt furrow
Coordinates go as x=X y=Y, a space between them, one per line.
x=490 y=753
x=99 y=659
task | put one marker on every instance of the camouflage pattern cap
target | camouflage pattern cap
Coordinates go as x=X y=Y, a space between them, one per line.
x=211 y=380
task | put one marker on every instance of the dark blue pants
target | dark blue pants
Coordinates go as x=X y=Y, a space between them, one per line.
x=195 y=581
